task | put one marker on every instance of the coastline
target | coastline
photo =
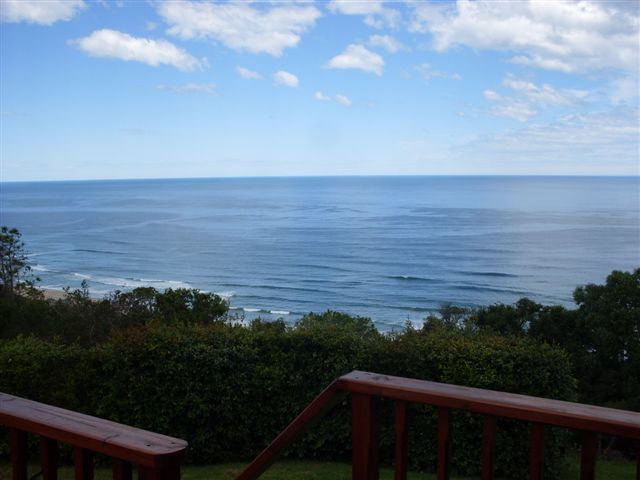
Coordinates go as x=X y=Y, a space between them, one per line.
x=51 y=294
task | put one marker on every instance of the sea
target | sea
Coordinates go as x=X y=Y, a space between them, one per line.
x=390 y=248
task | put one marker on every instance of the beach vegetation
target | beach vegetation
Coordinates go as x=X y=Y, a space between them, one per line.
x=15 y=271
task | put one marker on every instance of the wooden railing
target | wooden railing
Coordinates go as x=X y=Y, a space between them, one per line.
x=367 y=390
x=157 y=457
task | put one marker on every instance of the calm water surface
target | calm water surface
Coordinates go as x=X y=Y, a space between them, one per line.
x=392 y=248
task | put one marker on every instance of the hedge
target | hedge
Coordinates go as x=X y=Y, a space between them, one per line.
x=230 y=389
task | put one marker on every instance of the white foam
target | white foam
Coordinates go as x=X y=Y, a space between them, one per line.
x=82 y=275
x=141 y=282
x=251 y=310
x=39 y=268
x=279 y=312
x=225 y=295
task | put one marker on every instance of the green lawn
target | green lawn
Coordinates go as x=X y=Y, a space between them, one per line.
x=299 y=470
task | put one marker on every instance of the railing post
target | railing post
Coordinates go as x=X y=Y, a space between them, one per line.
x=536 y=458
x=18 y=446
x=588 y=456
x=365 y=425
x=121 y=470
x=488 y=447
x=444 y=444
x=159 y=473
x=638 y=460
x=49 y=458
x=83 y=461
x=401 y=440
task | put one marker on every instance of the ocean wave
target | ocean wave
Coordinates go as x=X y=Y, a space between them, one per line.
x=89 y=250
x=40 y=268
x=81 y=275
x=488 y=274
x=225 y=295
x=411 y=278
x=141 y=282
x=482 y=288
x=279 y=312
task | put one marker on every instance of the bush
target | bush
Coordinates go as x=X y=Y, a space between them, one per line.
x=230 y=389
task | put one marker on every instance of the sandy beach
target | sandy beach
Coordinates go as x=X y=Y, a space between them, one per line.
x=51 y=294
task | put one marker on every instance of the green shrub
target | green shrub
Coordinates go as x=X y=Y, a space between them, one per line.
x=230 y=389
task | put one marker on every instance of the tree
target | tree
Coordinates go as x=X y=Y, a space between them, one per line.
x=15 y=271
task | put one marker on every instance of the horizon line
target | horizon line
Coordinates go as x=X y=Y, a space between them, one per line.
x=237 y=177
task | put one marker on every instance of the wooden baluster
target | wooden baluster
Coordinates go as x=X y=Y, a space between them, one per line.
x=588 y=456
x=49 y=458
x=401 y=440
x=18 y=446
x=444 y=444
x=536 y=458
x=638 y=460
x=159 y=473
x=121 y=470
x=488 y=447
x=365 y=424
x=83 y=460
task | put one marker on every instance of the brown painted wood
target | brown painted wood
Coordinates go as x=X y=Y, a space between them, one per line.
x=163 y=473
x=91 y=433
x=499 y=404
x=314 y=411
x=536 y=457
x=365 y=434
x=488 y=447
x=121 y=470
x=588 y=456
x=83 y=463
x=444 y=444
x=49 y=458
x=18 y=449
x=402 y=441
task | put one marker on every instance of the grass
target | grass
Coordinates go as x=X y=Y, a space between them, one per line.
x=308 y=470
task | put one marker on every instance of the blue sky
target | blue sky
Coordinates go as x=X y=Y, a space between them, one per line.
x=147 y=89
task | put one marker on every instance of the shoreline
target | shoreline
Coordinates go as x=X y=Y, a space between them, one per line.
x=51 y=294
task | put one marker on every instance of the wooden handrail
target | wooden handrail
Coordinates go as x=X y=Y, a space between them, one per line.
x=157 y=456
x=313 y=412
x=578 y=416
x=368 y=388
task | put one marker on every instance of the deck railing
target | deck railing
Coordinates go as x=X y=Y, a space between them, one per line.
x=367 y=390
x=157 y=457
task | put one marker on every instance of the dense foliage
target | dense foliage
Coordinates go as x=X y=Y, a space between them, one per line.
x=177 y=362
x=602 y=335
x=230 y=389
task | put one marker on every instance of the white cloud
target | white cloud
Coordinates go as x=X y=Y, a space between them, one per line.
x=343 y=100
x=555 y=35
x=625 y=89
x=285 y=78
x=114 y=44
x=525 y=98
x=427 y=72
x=321 y=97
x=375 y=14
x=193 y=88
x=581 y=143
x=239 y=25
x=248 y=74
x=39 y=11
x=387 y=42
x=358 y=57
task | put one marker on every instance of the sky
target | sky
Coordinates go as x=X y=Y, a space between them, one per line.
x=159 y=89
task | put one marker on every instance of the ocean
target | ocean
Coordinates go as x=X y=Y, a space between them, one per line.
x=390 y=248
